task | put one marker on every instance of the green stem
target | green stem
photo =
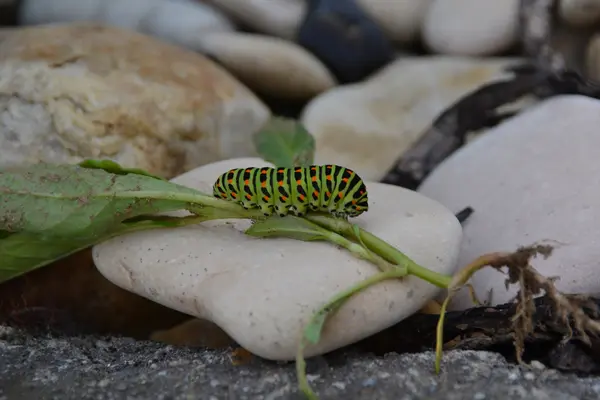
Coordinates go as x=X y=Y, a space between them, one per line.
x=376 y=245
x=315 y=325
x=383 y=249
x=363 y=252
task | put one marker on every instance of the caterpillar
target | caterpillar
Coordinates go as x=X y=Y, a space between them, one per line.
x=325 y=188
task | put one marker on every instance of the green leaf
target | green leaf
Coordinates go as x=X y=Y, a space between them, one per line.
x=68 y=200
x=113 y=167
x=50 y=211
x=24 y=252
x=285 y=143
x=289 y=226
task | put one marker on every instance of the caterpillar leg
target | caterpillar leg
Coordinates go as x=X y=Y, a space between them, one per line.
x=266 y=208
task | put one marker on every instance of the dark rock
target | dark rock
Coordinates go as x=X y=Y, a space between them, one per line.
x=345 y=39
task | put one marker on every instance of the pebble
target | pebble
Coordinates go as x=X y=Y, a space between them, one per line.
x=279 y=18
x=76 y=91
x=371 y=124
x=342 y=35
x=269 y=65
x=263 y=291
x=471 y=28
x=180 y=22
x=534 y=178
x=579 y=13
x=401 y=20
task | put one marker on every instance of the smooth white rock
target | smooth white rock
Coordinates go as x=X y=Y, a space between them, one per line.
x=369 y=125
x=579 y=13
x=401 y=20
x=269 y=65
x=533 y=178
x=263 y=291
x=471 y=27
x=279 y=18
x=181 y=22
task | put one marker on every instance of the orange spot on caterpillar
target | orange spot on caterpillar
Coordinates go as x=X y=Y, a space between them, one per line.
x=298 y=170
x=233 y=194
x=249 y=196
x=314 y=178
x=345 y=179
x=313 y=168
x=328 y=177
x=281 y=170
x=358 y=208
x=328 y=194
x=341 y=195
x=283 y=198
x=299 y=182
x=353 y=201
x=263 y=184
x=247 y=182
x=263 y=172
x=301 y=197
x=230 y=181
x=280 y=183
x=316 y=193
x=266 y=198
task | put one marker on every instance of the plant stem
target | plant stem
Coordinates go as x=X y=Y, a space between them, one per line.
x=373 y=243
x=363 y=252
x=383 y=249
x=313 y=328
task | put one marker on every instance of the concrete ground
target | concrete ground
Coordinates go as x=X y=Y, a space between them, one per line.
x=44 y=368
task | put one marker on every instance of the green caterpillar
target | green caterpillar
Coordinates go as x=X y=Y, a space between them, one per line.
x=326 y=188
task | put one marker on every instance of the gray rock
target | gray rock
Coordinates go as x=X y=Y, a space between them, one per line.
x=44 y=368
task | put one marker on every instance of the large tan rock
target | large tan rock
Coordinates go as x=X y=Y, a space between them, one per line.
x=75 y=91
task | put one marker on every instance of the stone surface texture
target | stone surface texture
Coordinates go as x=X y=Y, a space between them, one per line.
x=471 y=28
x=69 y=92
x=400 y=19
x=119 y=368
x=262 y=292
x=579 y=13
x=369 y=125
x=533 y=179
x=279 y=18
x=269 y=65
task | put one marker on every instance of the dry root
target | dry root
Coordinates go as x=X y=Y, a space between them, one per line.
x=569 y=310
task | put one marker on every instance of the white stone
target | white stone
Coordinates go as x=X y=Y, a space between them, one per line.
x=279 y=18
x=182 y=22
x=179 y=22
x=369 y=125
x=401 y=20
x=579 y=13
x=269 y=65
x=34 y=12
x=263 y=291
x=471 y=27
x=535 y=178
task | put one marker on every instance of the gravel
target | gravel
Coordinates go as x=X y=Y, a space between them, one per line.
x=89 y=367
